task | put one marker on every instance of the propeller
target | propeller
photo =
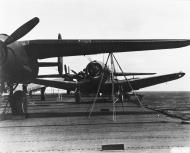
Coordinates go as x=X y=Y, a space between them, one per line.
x=68 y=69
x=79 y=76
x=60 y=65
x=60 y=60
x=67 y=75
x=74 y=72
x=21 y=31
x=59 y=36
x=17 y=34
x=65 y=68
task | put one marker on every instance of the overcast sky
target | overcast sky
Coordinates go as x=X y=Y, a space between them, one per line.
x=110 y=19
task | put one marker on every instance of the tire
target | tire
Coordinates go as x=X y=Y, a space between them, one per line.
x=121 y=98
x=18 y=103
x=77 y=97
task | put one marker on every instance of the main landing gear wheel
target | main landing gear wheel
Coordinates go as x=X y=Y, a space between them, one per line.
x=77 y=97
x=121 y=98
x=18 y=103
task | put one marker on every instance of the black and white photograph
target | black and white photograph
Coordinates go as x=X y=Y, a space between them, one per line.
x=95 y=76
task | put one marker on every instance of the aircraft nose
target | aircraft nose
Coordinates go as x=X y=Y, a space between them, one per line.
x=2 y=53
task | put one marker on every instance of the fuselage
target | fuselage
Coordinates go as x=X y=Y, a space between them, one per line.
x=95 y=76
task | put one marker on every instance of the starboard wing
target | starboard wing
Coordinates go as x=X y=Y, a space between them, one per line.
x=55 y=48
x=131 y=73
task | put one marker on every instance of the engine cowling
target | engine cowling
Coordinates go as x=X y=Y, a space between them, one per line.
x=94 y=69
x=3 y=52
x=15 y=65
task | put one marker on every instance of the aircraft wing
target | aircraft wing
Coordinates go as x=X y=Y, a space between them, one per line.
x=67 y=85
x=131 y=73
x=54 y=48
x=137 y=84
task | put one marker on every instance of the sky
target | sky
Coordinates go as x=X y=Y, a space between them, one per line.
x=110 y=19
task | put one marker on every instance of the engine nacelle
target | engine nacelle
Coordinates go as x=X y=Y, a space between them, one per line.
x=16 y=65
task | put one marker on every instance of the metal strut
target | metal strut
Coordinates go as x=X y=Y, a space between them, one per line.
x=113 y=81
x=99 y=85
x=111 y=55
x=139 y=101
x=114 y=100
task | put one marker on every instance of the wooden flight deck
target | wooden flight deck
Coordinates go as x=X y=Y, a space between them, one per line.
x=58 y=125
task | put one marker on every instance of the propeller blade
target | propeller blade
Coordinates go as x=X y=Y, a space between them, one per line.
x=60 y=65
x=21 y=31
x=65 y=67
x=68 y=69
x=59 y=36
x=60 y=60
x=74 y=72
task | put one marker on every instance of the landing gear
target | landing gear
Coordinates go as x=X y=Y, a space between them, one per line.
x=77 y=96
x=120 y=94
x=68 y=92
x=18 y=100
x=18 y=103
x=140 y=97
x=43 y=94
x=127 y=97
x=121 y=98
